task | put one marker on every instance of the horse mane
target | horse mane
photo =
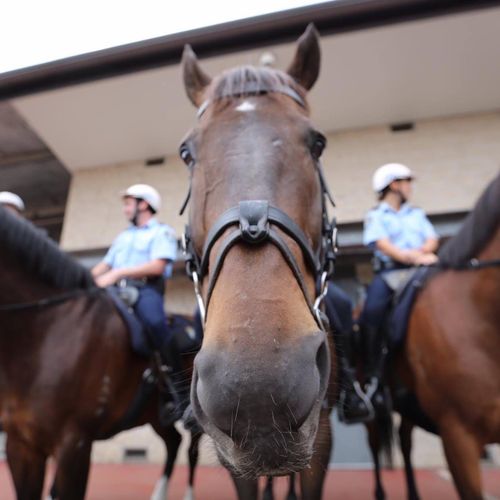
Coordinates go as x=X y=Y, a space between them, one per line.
x=251 y=80
x=39 y=255
x=477 y=229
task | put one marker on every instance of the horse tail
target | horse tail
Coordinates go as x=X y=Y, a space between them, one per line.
x=385 y=427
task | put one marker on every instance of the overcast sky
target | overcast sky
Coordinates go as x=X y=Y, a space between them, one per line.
x=38 y=31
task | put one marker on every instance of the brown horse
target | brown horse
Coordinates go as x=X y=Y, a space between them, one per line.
x=68 y=375
x=453 y=343
x=450 y=358
x=256 y=220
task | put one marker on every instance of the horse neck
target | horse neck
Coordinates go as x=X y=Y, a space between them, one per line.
x=488 y=280
x=18 y=285
x=492 y=250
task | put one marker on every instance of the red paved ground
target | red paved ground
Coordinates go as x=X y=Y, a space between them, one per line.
x=135 y=482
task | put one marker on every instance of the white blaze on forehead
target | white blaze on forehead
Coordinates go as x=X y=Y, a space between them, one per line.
x=245 y=106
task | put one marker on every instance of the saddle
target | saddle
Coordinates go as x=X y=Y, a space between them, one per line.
x=404 y=298
x=405 y=401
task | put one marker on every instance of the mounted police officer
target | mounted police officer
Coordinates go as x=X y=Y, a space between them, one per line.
x=12 y=202
x=401 y=237
x=142 y=257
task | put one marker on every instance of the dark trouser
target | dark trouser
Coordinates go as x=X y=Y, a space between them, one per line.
x=149 y=309
x=338 y=308
x=352 y=407
x=377 y=304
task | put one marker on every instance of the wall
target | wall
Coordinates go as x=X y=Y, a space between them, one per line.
x=453 y=158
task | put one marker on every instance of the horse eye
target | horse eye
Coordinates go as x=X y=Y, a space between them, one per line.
x=318 y=145
x=185 y=154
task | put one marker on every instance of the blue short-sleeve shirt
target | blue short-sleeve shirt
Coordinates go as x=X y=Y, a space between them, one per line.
x=407 y=228
x=139 y=245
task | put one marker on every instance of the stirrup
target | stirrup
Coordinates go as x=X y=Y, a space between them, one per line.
x=366 y=400
x=371 y=388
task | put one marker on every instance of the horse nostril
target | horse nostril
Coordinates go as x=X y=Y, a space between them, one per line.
x=323 y=363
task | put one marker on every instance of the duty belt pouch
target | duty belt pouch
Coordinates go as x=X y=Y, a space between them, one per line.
x=398 y=278
x=157 y=283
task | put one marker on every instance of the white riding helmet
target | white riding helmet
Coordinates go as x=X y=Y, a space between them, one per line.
x=146 y=193
x=388 y=173
x=8 y=198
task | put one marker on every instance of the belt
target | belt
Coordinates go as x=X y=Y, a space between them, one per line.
x=381 y=266
x=156 y=282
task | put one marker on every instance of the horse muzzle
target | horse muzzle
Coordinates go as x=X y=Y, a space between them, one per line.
x=261 y=406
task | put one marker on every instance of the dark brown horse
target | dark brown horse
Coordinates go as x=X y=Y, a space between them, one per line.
x=450 y=358
x=68 y=374
x=262 y=374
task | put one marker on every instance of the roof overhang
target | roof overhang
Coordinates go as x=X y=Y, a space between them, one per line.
x=333 y=17
x=128 y=104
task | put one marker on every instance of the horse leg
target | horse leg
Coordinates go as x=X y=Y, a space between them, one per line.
x=405 y=431
x=463 y=452
x=172 y=440
x=291 y=488
x=27 y=468
x=246 y=489
x=73 y=465
x=312 y=479
x=193 y=453
x=374 y=442
x=268 y=490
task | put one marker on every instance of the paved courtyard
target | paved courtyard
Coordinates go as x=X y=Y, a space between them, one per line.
x=135 y=482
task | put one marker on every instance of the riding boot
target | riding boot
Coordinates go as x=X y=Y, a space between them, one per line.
x=375 y=353
x=353 y=405
x=176 y=397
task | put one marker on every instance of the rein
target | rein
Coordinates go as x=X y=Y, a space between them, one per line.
x=254 y=223
x=49 y=301
x=471 y=264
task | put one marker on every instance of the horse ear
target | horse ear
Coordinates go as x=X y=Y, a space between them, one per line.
x=195 y=79
x=304 y=68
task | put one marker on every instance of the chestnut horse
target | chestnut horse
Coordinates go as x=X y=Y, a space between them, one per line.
x=451 y=356
x=257 y=229
x=68 y=375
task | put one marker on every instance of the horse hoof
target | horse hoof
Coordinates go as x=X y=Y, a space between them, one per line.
x=189 y=494
x=161 y=489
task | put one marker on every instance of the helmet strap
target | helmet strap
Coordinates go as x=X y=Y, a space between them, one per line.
x=397 y=195
x=401 y=196
x=135 y=217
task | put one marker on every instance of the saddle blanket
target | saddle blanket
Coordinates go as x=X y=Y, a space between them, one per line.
x=184 y=331
x=403 y=304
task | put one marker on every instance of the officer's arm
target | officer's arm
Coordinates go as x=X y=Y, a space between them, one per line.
x=397 y=254
x=154 y=267
x=100 y=268
x=430 y=245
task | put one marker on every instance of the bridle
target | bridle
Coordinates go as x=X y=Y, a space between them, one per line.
x=254 y=223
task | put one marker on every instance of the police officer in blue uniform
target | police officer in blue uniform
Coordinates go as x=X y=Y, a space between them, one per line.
x=400 y=236
x=142 y=256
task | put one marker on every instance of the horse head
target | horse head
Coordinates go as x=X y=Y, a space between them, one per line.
x=255 y=230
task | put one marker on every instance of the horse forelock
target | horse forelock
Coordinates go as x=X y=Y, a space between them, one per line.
x=251 y=80
x=478 y=228
x=39 y=255
x=236 y=166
